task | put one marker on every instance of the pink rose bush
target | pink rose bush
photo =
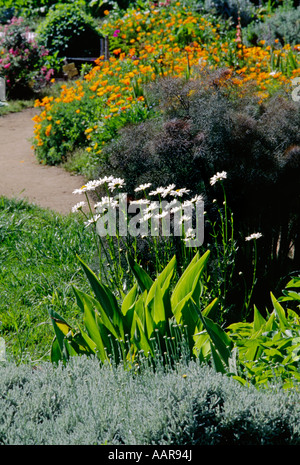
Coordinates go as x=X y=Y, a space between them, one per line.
x=23 y=63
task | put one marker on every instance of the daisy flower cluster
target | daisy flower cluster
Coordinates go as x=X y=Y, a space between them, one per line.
x=152 y=206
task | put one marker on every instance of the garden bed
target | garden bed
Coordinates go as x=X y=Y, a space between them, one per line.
x=193 y=107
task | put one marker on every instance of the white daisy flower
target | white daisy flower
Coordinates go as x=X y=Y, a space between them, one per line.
x=152 y=206
x=184 y=218
x=176 y=209
x=170 y=204
x=159 y=190
x=81 y=190
x=180 y=192
x=78 y=206
x=115 y=182
x=92 y=185
x=197 y=198
x=187 y=203
x=140 y=202
x=189 y=234
x=161 y=215
x=92 y=220
x=168 y=190
x=146 y=217
x=218 y=177
x=253 y=236
x=106 y=202
x=142 y=187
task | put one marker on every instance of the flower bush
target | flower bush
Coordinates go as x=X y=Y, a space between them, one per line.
x=156 y=42
x=23 y=63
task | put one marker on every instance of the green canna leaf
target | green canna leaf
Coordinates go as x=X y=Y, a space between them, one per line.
x=217 y=361
x=258 y=321
x=143 y=279
x=189 y=281
x=222 y=342
x=90 y=320
x=279 y=312
x=103 y=294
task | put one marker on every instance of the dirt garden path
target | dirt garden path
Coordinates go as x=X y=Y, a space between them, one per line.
x=21 y=176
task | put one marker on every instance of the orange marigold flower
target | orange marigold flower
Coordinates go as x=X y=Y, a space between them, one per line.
x=48 y=130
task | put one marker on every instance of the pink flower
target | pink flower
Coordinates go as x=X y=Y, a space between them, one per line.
x=116 y=33
x=7 y=65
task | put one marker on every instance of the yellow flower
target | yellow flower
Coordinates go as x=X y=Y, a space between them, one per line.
x=106 y=12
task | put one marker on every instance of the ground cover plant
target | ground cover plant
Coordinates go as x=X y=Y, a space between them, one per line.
x=85 y=404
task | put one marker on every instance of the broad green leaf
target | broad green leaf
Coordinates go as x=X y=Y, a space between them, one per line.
x=84 y=299
x=89 y=342
x=279 y=311
x=140 y=338
x=201 y=347
x=143 y=279
x=222 y=342
x=291 y=295
x=102 y=293
x=56 y=354
x=163 y=282
x=240 y=330
x=90 y=317
x=271 y=323
x=217 y=361
x=129 y=300
x=61 y=329
x=295 y=282
x=254 y=350
x=158 y=311
x=189 y=281
x=258 y=321
x=149 y=323
x=211 y=309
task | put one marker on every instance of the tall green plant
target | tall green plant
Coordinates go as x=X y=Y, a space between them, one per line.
x=154 y=318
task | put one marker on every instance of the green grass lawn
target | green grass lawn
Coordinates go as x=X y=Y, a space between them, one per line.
x=38 y=266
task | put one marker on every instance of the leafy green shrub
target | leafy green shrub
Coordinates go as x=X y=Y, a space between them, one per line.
x=6 y=14
x=67 y=30
x=84 y=404
x=233 y=9
x=282 y=25
x=23 y=63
